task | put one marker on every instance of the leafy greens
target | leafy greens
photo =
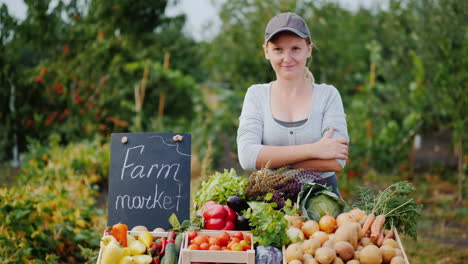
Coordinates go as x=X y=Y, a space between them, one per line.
x=316 y=200
x=219 y=187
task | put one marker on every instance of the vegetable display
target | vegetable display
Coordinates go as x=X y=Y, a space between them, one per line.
x=318 y=228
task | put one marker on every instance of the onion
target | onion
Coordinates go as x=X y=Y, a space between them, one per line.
x=327 y=224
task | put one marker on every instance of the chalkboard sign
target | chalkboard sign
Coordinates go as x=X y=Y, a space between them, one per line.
x=149 y=179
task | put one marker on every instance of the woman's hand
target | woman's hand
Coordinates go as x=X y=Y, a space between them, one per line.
x=331 y=148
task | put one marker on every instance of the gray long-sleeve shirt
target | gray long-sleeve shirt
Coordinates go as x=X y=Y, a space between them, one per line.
x=258 y=127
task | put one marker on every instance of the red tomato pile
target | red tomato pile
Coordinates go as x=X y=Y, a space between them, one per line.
x=222 y=241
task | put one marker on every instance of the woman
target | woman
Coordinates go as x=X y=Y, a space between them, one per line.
x=292 y=120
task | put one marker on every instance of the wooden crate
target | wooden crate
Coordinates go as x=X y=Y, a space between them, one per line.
x=137 y=233
x=397 y=239
x=188 y=256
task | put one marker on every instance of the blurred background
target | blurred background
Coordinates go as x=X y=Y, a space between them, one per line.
x=75 y=71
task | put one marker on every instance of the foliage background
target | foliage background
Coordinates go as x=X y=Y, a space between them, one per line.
x=85 y=69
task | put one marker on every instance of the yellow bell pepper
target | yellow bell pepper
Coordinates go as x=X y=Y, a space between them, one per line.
x=127 y=260
x=137 y=248
x=105 y=240
x=143 y=259
x=112 y=253
x=146 y=238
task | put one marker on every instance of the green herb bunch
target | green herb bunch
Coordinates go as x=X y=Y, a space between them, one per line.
x=268 y=224
x=400 y=210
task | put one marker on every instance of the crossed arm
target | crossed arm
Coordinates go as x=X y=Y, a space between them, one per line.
x=320 y=155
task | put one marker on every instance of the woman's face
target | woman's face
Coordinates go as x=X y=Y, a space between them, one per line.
x=288 y=55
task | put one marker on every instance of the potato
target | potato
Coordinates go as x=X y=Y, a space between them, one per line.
x=398 y=252
x=295 y=234
x=344 y=250
x=337 y=260
x=344 y=218
x=370 y=255
x=307 y=256
x=309 y=246
x=357 y=214
x=296 y=261
x=139 y=228
x=349 y=233
x=357 y=253
x=391 y=242
x=321 y=236
x=388 y=252
x=310 y=227
x=325 y=255
x=365 y=241
x=294 y=221
x=397 y=260
x=310 y=261
x=159 y=229
x=329 y=243
x=353 y=261
x=293 y=252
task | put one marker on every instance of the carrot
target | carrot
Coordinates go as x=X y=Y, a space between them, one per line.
x=119 y=231
x=389 y=234
x=380 y=238
x=377 y=226
x=367 y=224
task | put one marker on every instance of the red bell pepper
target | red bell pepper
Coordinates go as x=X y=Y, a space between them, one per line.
x=219 y=217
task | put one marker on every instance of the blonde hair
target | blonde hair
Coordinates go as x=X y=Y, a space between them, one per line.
x=308 y=75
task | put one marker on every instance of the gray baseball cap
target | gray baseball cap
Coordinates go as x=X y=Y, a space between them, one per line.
x=287 y=22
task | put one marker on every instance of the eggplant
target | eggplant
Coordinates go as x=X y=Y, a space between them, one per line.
x=237 y=204
x=242 y=223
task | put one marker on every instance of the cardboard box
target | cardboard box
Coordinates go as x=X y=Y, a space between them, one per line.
x=188 y=256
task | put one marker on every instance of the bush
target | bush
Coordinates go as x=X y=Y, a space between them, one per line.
x=52 y=209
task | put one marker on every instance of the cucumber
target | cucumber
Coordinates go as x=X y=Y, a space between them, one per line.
x=178 y=242
x=170 y=256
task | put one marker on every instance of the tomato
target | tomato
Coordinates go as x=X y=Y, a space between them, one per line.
x=214 y=247
x=248 y=239
x=237 y=247
x=204 y=246
x=192 y=234
x=212 y=240
x=239 y=235
x=200 y=239
x=235 y=240
x=223 y=238
x=245 y=244
x=194 y=247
